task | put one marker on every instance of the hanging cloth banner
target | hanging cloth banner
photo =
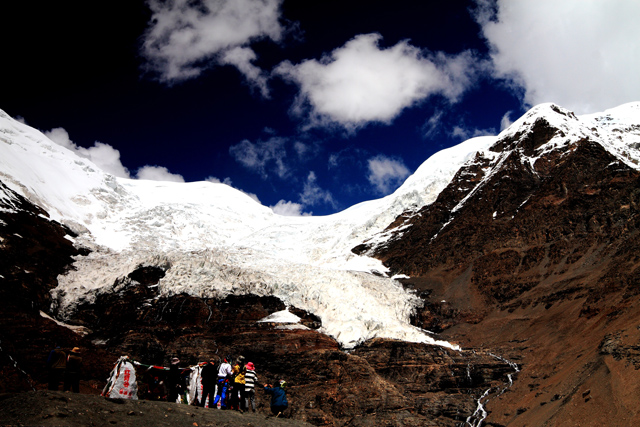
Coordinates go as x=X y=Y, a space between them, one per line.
x=122 y=381
x=194 y=387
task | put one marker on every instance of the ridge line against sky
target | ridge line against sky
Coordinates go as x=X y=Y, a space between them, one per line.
x=306 y=106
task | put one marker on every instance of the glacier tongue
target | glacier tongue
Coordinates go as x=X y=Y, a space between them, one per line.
x=354 y=306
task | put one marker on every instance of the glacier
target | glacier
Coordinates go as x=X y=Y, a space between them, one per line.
x=213 y=240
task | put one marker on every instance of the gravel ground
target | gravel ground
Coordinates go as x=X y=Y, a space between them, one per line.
x=54 y=408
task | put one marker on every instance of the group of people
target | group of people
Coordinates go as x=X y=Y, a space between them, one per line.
x=233 y=386
x=65 y=368
x=230 y=384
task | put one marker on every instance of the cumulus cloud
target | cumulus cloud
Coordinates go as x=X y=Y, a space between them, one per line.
x=186 y=37
x=262 y=157
x=102 y=155
x=285 y=208
x=581 y=54
x=107 y=158
x=386 y=173
x=158 y=173
x=360 y=82
x=312 y=194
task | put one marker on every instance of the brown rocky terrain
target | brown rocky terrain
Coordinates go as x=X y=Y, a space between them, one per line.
x=55 y=408
x=382 y=382
x=540 y=264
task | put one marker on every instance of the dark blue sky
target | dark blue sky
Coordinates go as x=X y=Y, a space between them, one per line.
x=82 y=67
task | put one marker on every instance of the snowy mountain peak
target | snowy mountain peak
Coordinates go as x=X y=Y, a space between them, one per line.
x=549 y=127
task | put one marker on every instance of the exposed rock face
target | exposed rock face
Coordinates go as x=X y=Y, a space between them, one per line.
x=33 y=252
x=380 y=382
x=536 y=253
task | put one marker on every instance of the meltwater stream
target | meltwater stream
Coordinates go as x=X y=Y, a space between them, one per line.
x=479 y=415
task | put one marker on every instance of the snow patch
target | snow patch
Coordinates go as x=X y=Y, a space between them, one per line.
x=284 y=316
x=80 y=330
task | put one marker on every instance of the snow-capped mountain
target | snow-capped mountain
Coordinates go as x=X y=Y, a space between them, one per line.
x=213 y=240
x=542 y=136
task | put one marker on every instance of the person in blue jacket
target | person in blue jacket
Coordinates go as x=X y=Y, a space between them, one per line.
x=278 y=397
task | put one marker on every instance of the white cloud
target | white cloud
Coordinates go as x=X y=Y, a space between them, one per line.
x=432 y=126
x=158 y=173
x=185 y=37
x=242 y=58
x=254 y=196
x=386 y=174
x=312 y=194
x=107 y=158
x=361 y=82
x=581 y=54
x=464 y=133
x=285 y=208
x=215 y=180
x=102 y=155
x=301 y=148
x=61 y=137
x=227 y=181
x=506 y=121
x=263 y=157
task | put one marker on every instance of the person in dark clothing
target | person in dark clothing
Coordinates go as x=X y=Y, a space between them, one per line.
x=72 y=371
x=278 y=394
x=208 y=377
x=56 y=363
x=173 y=381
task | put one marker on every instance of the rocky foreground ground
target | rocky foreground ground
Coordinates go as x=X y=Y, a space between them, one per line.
x=54 y=408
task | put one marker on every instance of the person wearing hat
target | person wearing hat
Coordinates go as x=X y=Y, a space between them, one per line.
x=250 y=380
x=278 y=394
x=72 y=371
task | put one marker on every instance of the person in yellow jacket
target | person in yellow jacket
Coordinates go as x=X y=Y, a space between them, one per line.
x=238 y=394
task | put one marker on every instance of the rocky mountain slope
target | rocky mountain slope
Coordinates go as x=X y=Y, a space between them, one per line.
x=517 y=251
x=532 y=251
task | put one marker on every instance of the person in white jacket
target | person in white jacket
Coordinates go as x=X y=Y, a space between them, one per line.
x=224 y=376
